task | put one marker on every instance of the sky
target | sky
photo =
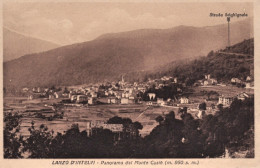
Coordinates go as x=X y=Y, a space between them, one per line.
x=72 y=22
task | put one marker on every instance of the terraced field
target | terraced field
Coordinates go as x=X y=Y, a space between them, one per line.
x=81 y=115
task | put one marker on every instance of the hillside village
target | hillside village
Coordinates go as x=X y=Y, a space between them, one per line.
x=124 y=93
x=130 y=110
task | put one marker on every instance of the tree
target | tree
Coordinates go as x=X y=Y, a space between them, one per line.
x=53 y=88
x=170 y=117
x=213 y=106
x=159 y=119
x=38 y=144
x=115 y=120
x=12 y=142
x=66 y=90
x=202 y=106
x=211 y=53
x=183 y=110
x=189 y=81
x=220 y=107
x=138 y=126
x=192 y=140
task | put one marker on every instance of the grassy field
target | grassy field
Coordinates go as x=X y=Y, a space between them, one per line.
x=82 y=115
x=226 y=90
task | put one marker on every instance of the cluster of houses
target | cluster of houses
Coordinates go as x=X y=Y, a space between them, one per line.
x=207 y=81
x=248 y=83
x=168 y=102
x=169 y=78
x=118 y=93
x=126 y=93
x=164 y=81
x=115 y=93
x=49 y=93
x=226 y=100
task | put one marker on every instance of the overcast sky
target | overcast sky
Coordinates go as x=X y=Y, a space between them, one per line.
x=67 y=23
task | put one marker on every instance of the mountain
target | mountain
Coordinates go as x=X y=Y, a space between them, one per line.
x=112 y=55
x=16 y=45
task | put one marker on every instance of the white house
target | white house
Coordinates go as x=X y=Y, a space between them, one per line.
x=125 y=94
x=129 y=90
x=81 y=98
x=25 y=89
x=175 y=80
x=151 y=96
x=124 y=101
x=166 y=78
x=184 y=100
x=236 y=80
x=112 y=100
x=51 y=96
x=93 y=94
x=201 y=114
x=113 y=127
x=56 y=95
x=73 y=97
x=209 y=81
x=149 y=103
x=160 y=101
x=248 y=78
x=92 y=100
x=106 y=93
x=131 y=100
x=225 y=100
x=30 y=97
x=207 y=76
x=249 y=85
x=206 y=82
x=142 y=89
x=242 y=96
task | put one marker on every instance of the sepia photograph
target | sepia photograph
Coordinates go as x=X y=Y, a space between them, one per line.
x=132 y=80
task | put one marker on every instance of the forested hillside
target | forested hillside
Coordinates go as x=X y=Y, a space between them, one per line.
x=222 y=65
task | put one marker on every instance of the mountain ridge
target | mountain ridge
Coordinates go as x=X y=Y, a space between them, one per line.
x=24 y=44
x=106 y=59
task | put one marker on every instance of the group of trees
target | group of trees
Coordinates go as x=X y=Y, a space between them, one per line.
x=245 y=47
x=165 y=92
x=43 y=143
x=221 y=66
x=230 y=128
x=12 y=141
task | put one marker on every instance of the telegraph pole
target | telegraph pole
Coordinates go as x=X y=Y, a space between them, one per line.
x=228 y=20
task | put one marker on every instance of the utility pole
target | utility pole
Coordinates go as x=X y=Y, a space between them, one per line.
x=228 y=20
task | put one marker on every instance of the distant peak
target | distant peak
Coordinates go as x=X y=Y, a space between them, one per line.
x=26 y=35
